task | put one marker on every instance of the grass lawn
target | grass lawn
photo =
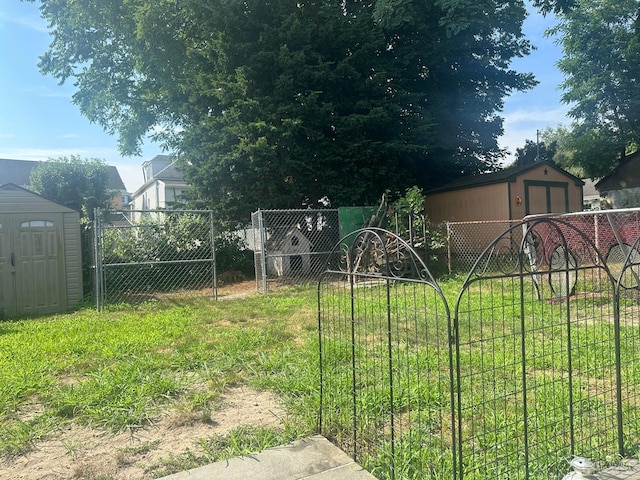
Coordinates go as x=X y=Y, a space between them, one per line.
x=127 y=370
x=124 y=369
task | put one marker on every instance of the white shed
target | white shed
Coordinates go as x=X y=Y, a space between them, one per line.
x=40 y=254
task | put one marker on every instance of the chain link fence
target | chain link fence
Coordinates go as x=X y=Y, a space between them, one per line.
x=160 y=252
x=465 y=241
x=612 y=232
x=291 y=246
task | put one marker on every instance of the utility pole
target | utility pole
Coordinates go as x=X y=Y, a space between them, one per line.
x=537 y=145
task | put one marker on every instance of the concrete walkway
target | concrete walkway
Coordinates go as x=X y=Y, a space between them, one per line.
x=313 y=458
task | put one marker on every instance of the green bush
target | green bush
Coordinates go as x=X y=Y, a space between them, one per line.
x=232 y=255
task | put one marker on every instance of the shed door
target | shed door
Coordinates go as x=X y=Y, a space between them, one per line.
x=32 y=264
x=546 y=197
x=40 y=275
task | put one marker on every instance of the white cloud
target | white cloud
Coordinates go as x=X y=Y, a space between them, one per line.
x=549 y=116
x=35 y=22
x=521 y=125
x=46 y=92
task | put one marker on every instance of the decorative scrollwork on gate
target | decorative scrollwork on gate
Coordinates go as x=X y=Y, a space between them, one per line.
x=378 y=252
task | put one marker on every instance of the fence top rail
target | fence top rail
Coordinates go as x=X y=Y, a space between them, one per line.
x=482 y=222
x=298 y=210
x=157 y=211
x=585 y=213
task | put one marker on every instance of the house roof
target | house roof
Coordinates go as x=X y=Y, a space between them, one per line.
x=169 y=174
x=626 y=175
x=18 y=172
x=506 y=175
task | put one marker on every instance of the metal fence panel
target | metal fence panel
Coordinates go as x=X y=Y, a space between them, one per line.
x=612 y=232
x=537 y=363
x=291 y=246
x=385 y=358
x=465 y=241
x=536 y=357
x=160 y=252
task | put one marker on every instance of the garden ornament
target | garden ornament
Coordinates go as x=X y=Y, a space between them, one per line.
x=583 y=469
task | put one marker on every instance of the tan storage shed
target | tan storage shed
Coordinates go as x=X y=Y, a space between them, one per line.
x=509 y=194
x=40 y=254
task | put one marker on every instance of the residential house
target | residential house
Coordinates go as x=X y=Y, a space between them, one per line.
x=591 y=199
x=163 y=185
x=18 y=172
x=621 y=188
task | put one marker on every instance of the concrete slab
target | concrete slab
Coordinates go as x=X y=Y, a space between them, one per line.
x=627 y=470
x=313 y=458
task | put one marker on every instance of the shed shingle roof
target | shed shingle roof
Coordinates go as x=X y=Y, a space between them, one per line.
x=506 y=175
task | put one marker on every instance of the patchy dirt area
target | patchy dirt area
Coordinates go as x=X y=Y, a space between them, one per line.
x=236 y=290
x=79 y=453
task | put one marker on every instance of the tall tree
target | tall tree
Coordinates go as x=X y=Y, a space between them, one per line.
x=73 y=181
x=270 y=103
x=601 y=64
x=535 y=151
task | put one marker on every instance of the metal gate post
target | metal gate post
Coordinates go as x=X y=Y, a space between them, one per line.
x=214 y=273
x=263 y=245
x=97 y=255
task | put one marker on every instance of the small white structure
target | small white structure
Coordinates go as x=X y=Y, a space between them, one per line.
x=40 y=254
x=288 y=253
x=583 y=469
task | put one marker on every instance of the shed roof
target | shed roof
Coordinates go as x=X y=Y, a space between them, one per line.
x=15 y=199
x=506 y=175
x=18 y=172
x=626 y=175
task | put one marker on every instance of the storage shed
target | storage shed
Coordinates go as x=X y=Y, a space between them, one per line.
x=40 y=254
x=510 y=194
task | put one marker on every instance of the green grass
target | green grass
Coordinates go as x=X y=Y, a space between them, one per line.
x=120 y=369
x=505 y=333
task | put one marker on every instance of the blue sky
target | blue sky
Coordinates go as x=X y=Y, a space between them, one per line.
x=38 y=120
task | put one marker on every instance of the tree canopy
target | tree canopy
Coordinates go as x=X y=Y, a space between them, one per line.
x=73 y=181
x=535 y=151
x=271 y=104
x=601 y=65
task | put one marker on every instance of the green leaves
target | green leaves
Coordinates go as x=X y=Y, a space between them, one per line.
x=73 y=181
x=601 y=68
x=278 y=104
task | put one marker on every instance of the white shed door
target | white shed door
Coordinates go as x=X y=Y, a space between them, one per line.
x=32 y=264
